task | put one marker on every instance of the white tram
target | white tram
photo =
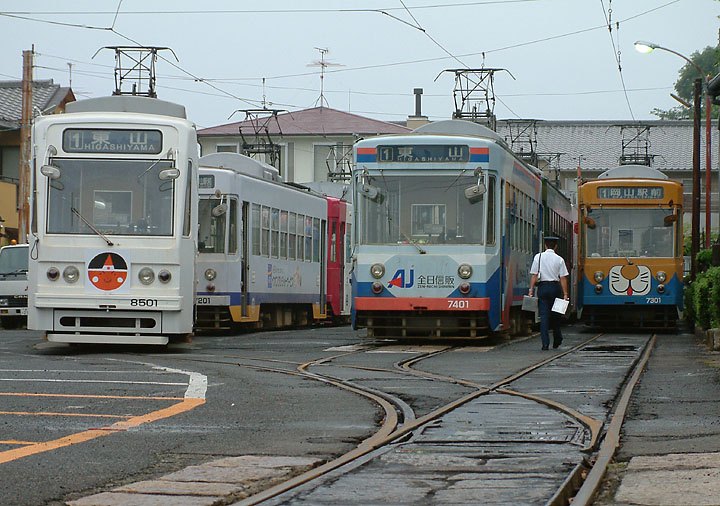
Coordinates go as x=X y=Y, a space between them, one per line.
x=114 y=222
x=262 y=247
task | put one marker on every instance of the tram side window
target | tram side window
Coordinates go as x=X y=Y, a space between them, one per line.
x=233 y=238
x=301 y=237
x=275 y=234
x=491 y=211
x=265 y=231
x=188 y=200
x=308 y=239
x=292 y=237
x=211 y=229
x=333 y=241
x=256 y=229
x=316 y=239
x=283 y=234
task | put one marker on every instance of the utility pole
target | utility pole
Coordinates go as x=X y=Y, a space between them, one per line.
x=25 y=144
x=695 y=239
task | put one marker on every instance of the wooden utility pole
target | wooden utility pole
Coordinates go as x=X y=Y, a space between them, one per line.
x=25 y=144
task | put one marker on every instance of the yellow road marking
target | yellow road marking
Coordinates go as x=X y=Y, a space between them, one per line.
x=15 y=442
x=80 y=437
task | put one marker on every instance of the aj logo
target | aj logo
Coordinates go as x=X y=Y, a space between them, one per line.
x=399 y=279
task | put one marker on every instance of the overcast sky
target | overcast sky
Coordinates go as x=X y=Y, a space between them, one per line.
x=560 y=52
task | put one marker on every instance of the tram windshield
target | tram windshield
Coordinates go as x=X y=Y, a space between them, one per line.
x=118 y=197
x=629 y=232
x=421 y=209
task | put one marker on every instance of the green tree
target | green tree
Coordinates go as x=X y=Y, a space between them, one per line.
x=707 y=60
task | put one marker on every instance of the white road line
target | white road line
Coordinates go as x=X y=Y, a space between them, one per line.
x=197 y=383
x=50 y=380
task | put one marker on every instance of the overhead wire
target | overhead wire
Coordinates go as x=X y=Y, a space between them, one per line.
x=616 y=51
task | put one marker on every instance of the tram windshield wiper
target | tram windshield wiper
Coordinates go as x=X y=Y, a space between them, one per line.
x=90 y=225
x=414 y=243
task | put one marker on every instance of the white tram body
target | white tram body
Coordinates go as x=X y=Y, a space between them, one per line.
x=114 y=222
x=262 y=247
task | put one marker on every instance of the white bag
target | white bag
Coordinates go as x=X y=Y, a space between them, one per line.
x=529 y=303
x=560 y=306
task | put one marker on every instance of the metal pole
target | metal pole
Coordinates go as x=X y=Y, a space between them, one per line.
x=708 y=174
x=695 y=239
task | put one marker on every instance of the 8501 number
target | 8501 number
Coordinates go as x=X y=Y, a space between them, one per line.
x=143 y=302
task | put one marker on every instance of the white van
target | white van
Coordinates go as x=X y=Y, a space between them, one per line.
x=13 y=285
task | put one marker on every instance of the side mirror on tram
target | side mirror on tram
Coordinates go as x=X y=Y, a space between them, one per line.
x=219 y=210
x=168 y=174
x=368 y=191
x=50 y=171
x=475 y=192
x=589 y=222
x=670 y=219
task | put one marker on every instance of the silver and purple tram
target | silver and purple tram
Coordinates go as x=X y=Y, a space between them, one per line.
x=113 y=222
x=262 y=247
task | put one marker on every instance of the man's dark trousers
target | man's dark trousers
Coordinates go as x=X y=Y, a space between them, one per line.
x=547 y=292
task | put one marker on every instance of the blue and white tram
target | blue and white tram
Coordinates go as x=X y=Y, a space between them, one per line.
x=114 y=222
x=447 y=222
x=262 y=247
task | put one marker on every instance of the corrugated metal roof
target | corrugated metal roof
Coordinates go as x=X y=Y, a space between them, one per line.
x=314 y=121
x=46 y=97
x=597 y=145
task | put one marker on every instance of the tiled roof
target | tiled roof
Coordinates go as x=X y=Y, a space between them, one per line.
x=314 y=121
x=598 y=144
x=46 y=97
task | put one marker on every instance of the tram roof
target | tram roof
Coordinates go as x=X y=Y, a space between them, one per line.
x=632 y=172
x=128 y=103
x=458 y=127
x=241 y=164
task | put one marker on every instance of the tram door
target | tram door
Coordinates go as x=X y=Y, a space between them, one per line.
x=323 y=267
x=245 y=260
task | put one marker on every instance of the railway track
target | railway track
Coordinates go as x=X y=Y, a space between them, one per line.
x=512 y=439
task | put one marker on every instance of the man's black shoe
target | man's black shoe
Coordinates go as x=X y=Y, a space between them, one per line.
x=556 y=345
x=544 y=347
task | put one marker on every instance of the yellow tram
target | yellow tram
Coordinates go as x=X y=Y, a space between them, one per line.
x=630 y=264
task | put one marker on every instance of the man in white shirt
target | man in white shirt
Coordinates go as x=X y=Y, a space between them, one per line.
x=549 y=273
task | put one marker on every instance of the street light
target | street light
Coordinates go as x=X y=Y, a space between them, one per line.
x=647 y=47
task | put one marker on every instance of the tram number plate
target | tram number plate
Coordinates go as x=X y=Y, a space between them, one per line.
x=653 y=300
x=458 y=304
x=144 y=302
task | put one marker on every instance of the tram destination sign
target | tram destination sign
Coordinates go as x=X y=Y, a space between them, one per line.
x=105 y=140
x=631 y=192
x=419 y=153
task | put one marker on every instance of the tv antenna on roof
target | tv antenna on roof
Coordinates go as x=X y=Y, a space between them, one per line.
x=323 y=64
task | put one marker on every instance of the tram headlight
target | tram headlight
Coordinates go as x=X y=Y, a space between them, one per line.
x=464 y=288
x=598 y=276
x=53 y=273
x=164 y=276
x=376 y=287
x=661 y=288
x=377 y=271
x=146 y=275
x=465 y=271
x=210 y=274
x=598 y=289
x=661 y=276
x=4 y=302
x=71 y=274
